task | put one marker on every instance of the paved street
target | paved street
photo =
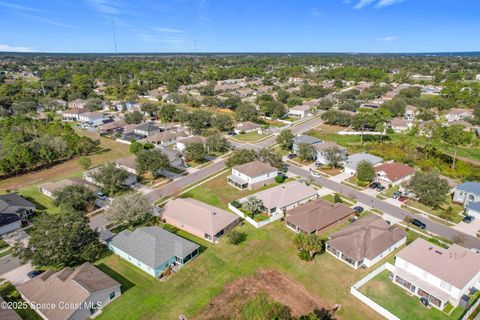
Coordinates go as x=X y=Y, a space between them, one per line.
x=8 y=263
x=396 y=212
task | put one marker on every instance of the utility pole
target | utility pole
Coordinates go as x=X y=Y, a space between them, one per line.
x=114 y=36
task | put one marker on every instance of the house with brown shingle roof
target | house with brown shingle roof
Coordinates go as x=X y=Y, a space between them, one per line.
x=393 y=173
x=50 y=188
x=78 y=293
x=246 y=127
x=440 y=275
x=325 y=145
x=365 y=242
x=165 y=138
x=181 y=144
x=252 y=175
x=316 y=215
x=198 y=218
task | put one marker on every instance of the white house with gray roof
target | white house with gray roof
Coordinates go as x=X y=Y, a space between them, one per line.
x=467 y=192
x=153 y=249
x=353 y=160
x=298 y=140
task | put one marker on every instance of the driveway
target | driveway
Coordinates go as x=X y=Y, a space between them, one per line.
x=469 y=228
x=18 y=274
x=341 y=177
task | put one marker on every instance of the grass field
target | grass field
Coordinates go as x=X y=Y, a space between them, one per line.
x=190 y=290
x=396 y=300
x=249 y=137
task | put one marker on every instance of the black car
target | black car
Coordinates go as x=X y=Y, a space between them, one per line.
x=291 y=156
x=358 y=209
x=32 y=274
x=374 y=185
x=468 y=219
x=418 y=223
x=232 y=133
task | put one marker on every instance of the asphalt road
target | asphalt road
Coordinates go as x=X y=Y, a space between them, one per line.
x=399 y=213
x=9 y=263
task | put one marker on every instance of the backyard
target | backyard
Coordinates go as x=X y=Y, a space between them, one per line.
x=396 y=300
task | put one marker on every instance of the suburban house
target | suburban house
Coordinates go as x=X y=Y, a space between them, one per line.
x=456 y=114
x=49 y=188
x=91 y=117
x=322 y=147
x=165 y=138
x=13 y=208
x=303 y=139
x=182 y=143
x=77 y=104
x=353 y=160
x=247 y=126
x=252 y=175
x=300 y=111
x=146 y=129
x=437 y=274
x=175 y=157
x=198 y=218
x=128 y=164
x=72 y=114
x=82 y=292
x=365 y=242
x=410 y=112
x=400 y=125
x=468 y=194
x=88 y=175
x=316 y=215
x=153 y=249
x=286 y=197
x=111 y=127
x=393 y=173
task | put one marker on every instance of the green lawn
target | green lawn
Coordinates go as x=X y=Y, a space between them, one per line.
x=191 y=289
x=249 y=137
x=396 y=300
x=330 y=198
x=457 y=208
x=33 y=194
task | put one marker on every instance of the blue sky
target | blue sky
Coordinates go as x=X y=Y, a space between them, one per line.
x=240 y=25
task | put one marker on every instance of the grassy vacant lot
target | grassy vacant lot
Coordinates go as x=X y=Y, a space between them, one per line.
x=111 y=150
x=191 y=289
x=393 y=298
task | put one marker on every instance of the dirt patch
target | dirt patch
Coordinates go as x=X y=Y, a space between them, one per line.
x=274 y=284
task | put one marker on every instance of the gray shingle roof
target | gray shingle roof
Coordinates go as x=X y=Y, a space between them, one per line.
x=153 y=246
x=469 y=186
x=354 y=159
x=306 y=139
x=13 y=199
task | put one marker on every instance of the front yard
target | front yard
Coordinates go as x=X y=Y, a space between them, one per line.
x=454 y=217
x=396 y=300
x=249 y=137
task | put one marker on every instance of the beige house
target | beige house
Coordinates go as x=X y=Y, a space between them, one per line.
x=247 y=127
x=77 y=294
x=198 y=218
x=252 y=175
x=49 y=188
x=165 y=138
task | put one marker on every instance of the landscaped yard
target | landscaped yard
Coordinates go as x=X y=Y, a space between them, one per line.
x=249 y=137
x=191 y=289
x=396 y=300
x=456 y=209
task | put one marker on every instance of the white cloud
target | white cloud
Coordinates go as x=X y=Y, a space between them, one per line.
x=386 y=3
x=7 y=48
x=316 y=12
x=19 y=7
x=168 y=30
x=363 y=3
x=385 y=39
x=378 y=3
x=104 y=6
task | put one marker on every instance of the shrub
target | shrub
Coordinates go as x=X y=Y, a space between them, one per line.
x=304 y=255
x=236 y=204
x=280 y=178
x=235 y=237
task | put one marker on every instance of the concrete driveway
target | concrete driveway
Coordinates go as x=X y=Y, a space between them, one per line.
x=12 y=270
x=468 y=228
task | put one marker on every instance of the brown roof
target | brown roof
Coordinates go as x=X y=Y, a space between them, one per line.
x=112 y=125
x=71 y=286
x=366 y=238
x=75 y=111
x=255 y=168
x=59 y=185
x=317 y=214
x=247 y=125
x=394 y=170
x=199 y=215
x=455 y=265
x=194 y=139
x=165 y=136
x=130 y=162
x=399 y=122
x=286 y=194
x=327 y=144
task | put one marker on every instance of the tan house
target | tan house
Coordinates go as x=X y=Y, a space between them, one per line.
x=181 y=144
x=50 y=188
x=316 y=215
x=82 y=292
x=198 y=218
x=247 y=127
x=252 y=175
x=365 y=242
x=165 y=138
x=72 y=114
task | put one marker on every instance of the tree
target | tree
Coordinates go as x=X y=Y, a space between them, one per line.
x=235 y=237
x=150 y=108
x=429 y=187
x=111 y=178
x=365 y=171
x=222 y=122
x=74 y=197
x=135 y=147
x=454 y=136
x=216 y=142
x=199 y=120
x=195 y=151
x=134 y=117
x=306 y=151
x=271 y=157
x=241 y=156
x=308 y=244
x=167 y=112
x=130 y=208
x=334 y=156
x=337 y=198
x=85 y=162
x=246 y=112
x=285 y=139
x=152 y=161
x=253 y=205
x=60 y=240
x=94 y=104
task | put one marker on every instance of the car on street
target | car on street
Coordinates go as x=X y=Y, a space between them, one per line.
x=314 y=173
x=32 y=274
x=468 y=219
x=358 y=209
x=396 y=194
x=418 y=223
x=292 y=156
x=101 y=195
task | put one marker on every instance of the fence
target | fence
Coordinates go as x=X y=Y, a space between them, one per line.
x=256 y=224
x=470 y=309
x=369 y=302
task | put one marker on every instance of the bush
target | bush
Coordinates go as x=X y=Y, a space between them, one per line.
x=236 y=204
x=280 y=178
x=304 y=255
x=235 y=237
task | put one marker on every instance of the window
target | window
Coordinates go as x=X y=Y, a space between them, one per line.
x=112 y=295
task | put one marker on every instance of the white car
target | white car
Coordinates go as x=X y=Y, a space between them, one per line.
x=315 y=174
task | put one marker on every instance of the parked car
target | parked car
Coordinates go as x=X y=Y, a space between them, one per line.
x=314 y=173
x=396 y=194
x=318 y=165
x=32 y=274
x=292 y=156
x=374 y=185
x=468 y=219
x=402 y=198
x=101 y=195
x=358 y=209
x=380 y=188
x=232 y=133
x=418 y=223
